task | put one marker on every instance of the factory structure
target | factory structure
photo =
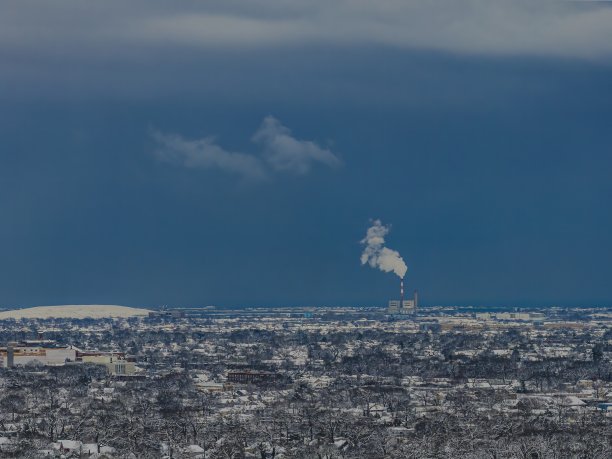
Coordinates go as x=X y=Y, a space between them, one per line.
x=48 y=352
x=403 y=306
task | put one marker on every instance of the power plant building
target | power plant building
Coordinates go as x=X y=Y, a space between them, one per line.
x=403 y=307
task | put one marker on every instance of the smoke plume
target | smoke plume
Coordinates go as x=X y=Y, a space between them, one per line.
x=377 y=255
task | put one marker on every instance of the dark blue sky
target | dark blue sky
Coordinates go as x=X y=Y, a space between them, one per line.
x=493 y=169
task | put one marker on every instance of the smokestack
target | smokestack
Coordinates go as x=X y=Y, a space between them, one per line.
x=416 y=300
x=401 y=292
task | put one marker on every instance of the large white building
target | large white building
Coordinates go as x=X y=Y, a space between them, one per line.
x=32 y=352
x=48 y=353
x=115 y=363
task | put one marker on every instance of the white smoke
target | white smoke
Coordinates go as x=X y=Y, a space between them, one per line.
x=377 y=255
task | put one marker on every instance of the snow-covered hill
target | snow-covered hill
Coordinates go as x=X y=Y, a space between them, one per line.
x=94 y=311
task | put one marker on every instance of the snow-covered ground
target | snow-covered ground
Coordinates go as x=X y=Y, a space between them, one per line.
x=94 y=311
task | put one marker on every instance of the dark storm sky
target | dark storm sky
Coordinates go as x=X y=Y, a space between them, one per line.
x=129 y=171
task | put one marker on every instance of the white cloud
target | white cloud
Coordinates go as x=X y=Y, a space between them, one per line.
x=205 y=154
x=283 y=152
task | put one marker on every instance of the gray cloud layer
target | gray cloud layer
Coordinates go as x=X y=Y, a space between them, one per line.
x=114 y=28
x=281 y=153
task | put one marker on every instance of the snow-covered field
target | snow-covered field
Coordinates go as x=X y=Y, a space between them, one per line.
x=94 y=311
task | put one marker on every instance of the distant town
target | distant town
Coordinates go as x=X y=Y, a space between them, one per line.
x=403 y=381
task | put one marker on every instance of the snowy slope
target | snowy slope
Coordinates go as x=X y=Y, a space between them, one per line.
x=93 y=311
